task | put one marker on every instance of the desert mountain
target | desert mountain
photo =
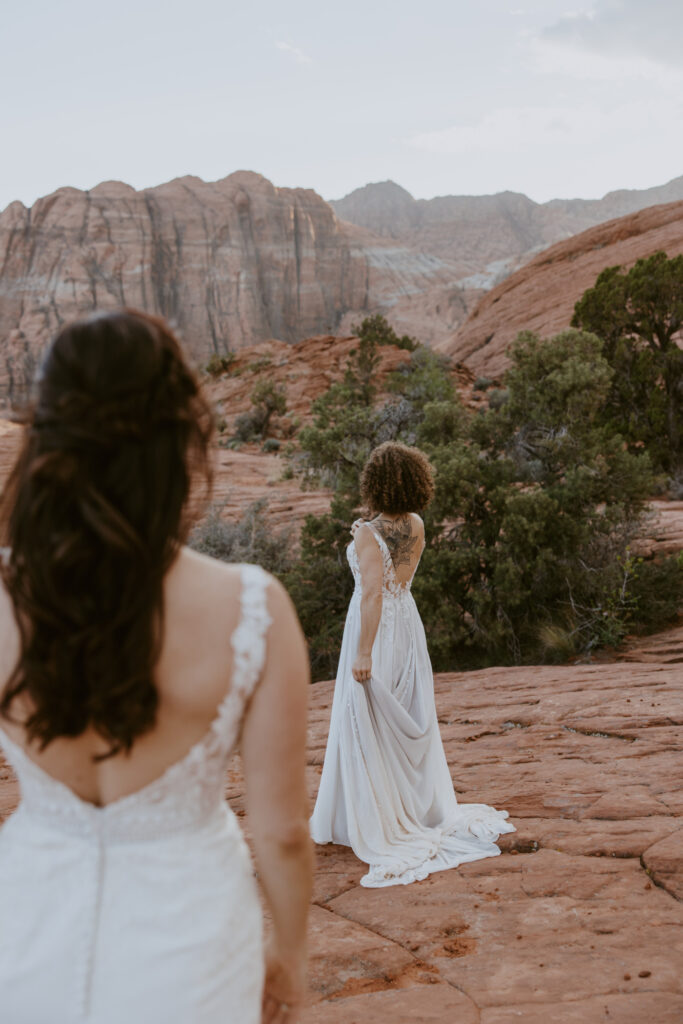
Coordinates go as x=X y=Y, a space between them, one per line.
x=541 y=295
x=231 y=262
x=239 y=261
x=487 y=236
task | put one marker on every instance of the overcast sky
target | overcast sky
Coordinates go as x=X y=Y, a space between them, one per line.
x=442 y=96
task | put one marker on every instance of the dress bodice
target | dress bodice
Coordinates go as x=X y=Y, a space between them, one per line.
x=391 y=587
x=191 y=789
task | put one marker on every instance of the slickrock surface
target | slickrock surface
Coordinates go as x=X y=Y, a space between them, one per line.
x=541 y=296
x=231 y=262
x=579 y=920
x=663 y=532
x=660 y=648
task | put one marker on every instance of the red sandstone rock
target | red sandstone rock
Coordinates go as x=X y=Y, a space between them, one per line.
x=541 y=296
x=579 y=920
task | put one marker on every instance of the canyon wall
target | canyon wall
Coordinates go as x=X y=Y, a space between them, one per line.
x=231 y=263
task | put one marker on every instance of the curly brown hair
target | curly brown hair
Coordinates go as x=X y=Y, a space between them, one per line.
x=397 y=479
x=94 y=513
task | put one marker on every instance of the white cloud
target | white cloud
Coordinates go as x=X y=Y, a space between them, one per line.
x=649 y=29
x=299 y=56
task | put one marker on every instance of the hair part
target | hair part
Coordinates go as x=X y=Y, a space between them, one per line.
x=94 y=513
x=397 y=479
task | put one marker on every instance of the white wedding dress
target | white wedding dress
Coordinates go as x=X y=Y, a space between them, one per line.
x=144 y=911
x=386 y=790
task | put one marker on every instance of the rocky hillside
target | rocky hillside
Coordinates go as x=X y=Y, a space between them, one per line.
x=541 y=295
x=231 y=262
x=487 y=236
x=305 y=370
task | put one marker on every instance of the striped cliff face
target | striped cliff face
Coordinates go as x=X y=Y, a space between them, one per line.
x=230 y=263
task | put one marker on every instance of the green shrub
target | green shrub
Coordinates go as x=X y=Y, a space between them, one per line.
x=271 y=445
x=497 y=398
x=537 y=502
x=376 y=330
x=219 y=364
x=638 y=314
x=267 y=399
x=249 y=539
x=657 y=592
x=248 y=426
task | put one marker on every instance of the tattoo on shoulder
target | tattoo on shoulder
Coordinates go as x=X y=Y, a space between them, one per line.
x=398 y=537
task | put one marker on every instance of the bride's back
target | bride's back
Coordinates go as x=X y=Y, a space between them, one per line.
x=102 y=610
x=129 y=668
x=192 y=677
x=404 y=537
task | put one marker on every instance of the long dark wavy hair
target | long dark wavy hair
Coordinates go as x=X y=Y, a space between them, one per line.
x=94 y=513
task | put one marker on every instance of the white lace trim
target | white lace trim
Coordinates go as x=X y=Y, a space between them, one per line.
x=189 y=791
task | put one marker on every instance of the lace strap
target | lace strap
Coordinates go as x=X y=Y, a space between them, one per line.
x=249 y=637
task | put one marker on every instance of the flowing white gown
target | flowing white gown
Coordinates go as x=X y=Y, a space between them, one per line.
x=146 y=910
x=386 y=790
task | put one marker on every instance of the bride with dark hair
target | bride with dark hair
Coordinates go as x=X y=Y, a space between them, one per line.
x=130 y=667
x=386 y=790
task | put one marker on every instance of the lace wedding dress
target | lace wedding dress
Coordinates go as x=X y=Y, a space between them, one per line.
x=146 y=910
x=386 y=790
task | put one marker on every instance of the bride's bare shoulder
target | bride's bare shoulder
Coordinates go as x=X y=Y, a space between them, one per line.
x=197 y=564
x=202 y=579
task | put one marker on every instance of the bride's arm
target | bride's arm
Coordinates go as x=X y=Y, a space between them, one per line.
x=274 y=756
x=370 y=564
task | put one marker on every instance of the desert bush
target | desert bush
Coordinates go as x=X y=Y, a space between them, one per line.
x=657 y=592
x=537 y=502
x=219 y=364
x=248 y=426
x=497 y=398
x=267 y=399
x=249 y=539
x=377 y=331
x=271 y=444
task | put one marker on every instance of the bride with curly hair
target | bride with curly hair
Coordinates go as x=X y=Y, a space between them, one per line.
x=386 y=790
